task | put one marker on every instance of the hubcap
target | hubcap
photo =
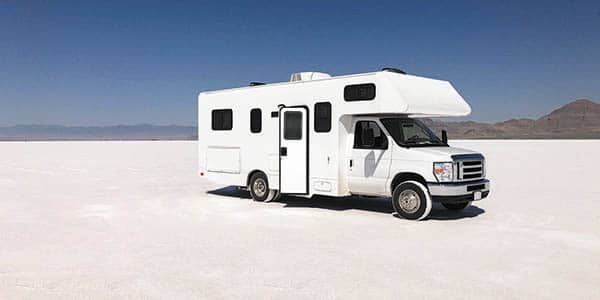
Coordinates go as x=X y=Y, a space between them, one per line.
x=409 y=201
x=259 y=187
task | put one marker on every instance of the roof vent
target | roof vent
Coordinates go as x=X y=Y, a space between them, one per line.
x=394 y=70
x=255 y=83
x=307 y=76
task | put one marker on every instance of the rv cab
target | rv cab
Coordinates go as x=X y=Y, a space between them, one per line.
x=340 y=136
x=387 y=145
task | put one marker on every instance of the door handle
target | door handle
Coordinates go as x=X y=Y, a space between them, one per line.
x=350 y=163
x=283 y=151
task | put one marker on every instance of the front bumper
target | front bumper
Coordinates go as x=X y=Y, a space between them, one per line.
x=458 y=192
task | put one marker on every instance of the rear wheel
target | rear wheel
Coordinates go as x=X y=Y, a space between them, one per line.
x=411 y=200
x=456 y=206
x=259 y=188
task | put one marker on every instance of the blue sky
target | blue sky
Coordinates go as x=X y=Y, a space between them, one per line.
x=129 y=62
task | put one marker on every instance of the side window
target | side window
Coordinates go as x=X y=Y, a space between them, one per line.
x=368 y=135
x=255 y=120
x=222 y=119
x=292 y=125
x=322 y=117
x=359 y=92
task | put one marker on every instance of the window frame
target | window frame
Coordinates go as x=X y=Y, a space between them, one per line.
x=258 y=128
x=385 y=144
x=213 y=120
x=318 y=121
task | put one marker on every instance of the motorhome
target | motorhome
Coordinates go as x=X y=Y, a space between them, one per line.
x=338 y=136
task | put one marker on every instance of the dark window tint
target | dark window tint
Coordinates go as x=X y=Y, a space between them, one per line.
x=359 y=92
x=255 y=120
x=292 y=125
x=222 y=119
x=368 y=135
x=323 y=117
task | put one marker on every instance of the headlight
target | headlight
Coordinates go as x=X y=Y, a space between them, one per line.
x=443 y=171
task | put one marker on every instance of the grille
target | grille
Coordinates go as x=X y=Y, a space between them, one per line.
x=469 y=167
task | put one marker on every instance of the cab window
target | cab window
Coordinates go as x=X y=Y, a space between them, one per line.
x=368 y=135
x=411 y=133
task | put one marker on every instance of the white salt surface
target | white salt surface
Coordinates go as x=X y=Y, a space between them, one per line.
x=132 y=220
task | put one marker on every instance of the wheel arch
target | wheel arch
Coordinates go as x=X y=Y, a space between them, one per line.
x=406 y=176
x=251 y=173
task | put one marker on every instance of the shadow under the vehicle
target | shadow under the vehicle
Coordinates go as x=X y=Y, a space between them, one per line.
x=231 y=191
x=438 y=212
x=373 y=204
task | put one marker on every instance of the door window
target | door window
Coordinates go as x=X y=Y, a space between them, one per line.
x=368 y=135
x=292 y=125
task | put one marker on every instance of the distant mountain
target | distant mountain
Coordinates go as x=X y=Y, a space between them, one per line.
x=573 y=116
x=579 y=119
x=119 y=132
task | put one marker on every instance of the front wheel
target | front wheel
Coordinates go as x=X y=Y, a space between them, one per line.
x=456 y=206
x=259 y=188
x=411 y=200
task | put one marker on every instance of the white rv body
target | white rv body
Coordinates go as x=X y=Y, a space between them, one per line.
x=324 y=163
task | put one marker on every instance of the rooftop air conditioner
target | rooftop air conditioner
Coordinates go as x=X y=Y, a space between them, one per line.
x=306 y=76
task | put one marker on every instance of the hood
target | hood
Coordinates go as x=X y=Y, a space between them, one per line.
x=443 y=151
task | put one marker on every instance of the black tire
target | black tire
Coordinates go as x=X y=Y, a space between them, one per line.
x=259 y=187
x=417 y=203
x=456 y=206
x=276 y=196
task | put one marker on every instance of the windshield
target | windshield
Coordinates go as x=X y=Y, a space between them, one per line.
x=411 y=133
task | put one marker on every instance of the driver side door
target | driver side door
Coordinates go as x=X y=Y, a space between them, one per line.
x=370 y=159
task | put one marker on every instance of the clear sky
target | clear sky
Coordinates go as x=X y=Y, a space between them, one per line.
x=129 y=62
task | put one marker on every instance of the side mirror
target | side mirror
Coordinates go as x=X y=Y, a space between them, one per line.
x=445 y=137
x=368 y=137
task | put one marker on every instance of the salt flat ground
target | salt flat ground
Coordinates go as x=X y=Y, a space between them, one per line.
x=132 y=220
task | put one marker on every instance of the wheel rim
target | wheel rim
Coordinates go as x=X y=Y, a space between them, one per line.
x=260 y=187
x=409 y=201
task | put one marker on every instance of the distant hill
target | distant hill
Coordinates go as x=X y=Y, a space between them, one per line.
x=579 y=119
x=119 y=132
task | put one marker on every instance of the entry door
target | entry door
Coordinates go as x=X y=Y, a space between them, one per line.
x=369 y=163
x=293 y=150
